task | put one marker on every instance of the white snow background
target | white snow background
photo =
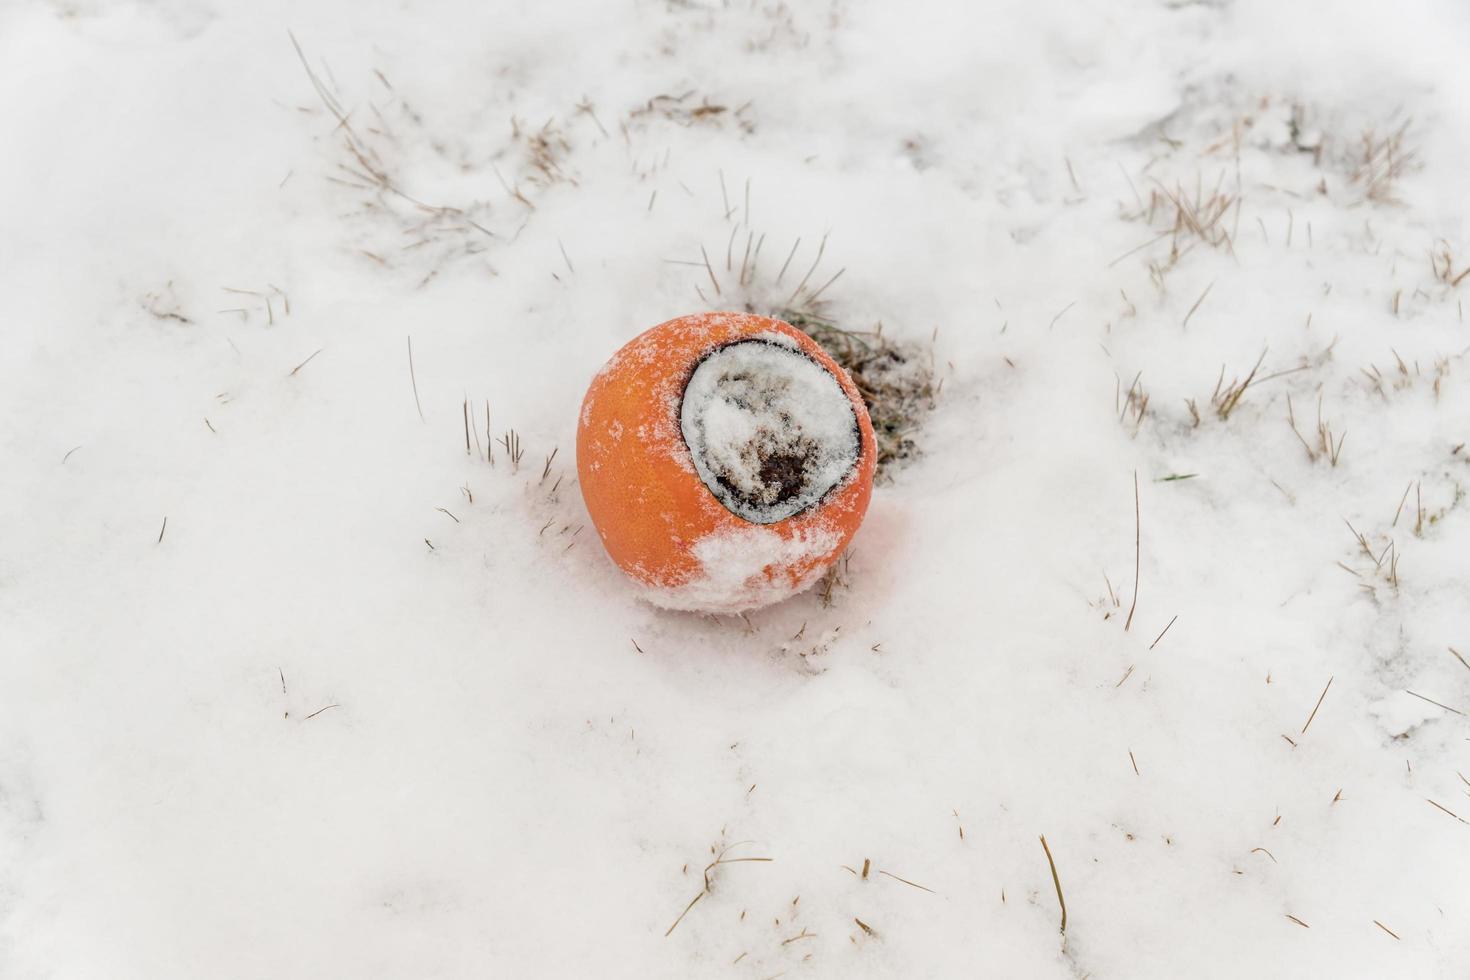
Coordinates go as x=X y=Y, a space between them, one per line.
x=335 y=718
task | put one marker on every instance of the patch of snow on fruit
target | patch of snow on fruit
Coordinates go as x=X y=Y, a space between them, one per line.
x=733 y=573
x=776 y=337
x=769 y=429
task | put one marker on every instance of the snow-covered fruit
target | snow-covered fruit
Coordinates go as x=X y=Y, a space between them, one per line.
x=725 y=459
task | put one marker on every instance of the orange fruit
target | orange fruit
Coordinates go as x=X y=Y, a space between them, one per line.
x=725 y=460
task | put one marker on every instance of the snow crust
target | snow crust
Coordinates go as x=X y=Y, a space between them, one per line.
x=369 y=707
x=770 y=430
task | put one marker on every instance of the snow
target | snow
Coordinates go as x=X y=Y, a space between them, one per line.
x=770 y=430
x=367 y=706
x=745 y=568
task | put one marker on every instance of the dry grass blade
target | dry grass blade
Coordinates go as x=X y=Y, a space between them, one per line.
x=821 y=249
x=911 y=884
x=1137 y=553
x=1161 y=635
x=1227 y=399
x=1057 y=881
x=710 y=269
x=1060 y=314
x=719 y=860
x=412 y=377
x=322 y=92
x=1446 y=810
x=1434 y=702
x=1401 y=504
x=1197 y=304
x=1381 y=161
x=1135 y=401
x=789 y=256
x=304 y=363
x=1291 y=420
x=811 y=300
x=489 y=442
x=1133 y=251
x=680 y=919
x=1317 y=705
x=511 y=441
x=1362 y=542
x=1200 y=216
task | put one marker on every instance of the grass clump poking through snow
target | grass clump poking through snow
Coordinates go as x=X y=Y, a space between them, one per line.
x=895 y=380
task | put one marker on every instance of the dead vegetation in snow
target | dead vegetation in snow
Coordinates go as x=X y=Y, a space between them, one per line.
x=897 y=377
x=408 y=171
x=896 y=381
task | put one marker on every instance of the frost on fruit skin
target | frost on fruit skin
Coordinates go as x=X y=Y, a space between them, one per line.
x=769 y=430
x=746 y=568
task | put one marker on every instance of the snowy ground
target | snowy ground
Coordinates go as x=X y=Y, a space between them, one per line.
x=365 y=706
